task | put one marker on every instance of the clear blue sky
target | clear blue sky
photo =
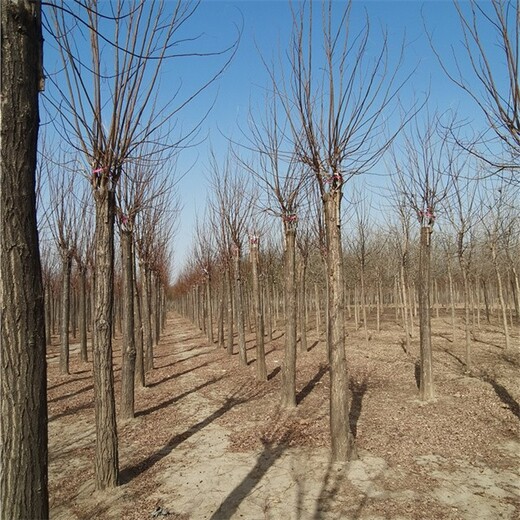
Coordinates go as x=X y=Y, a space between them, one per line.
x=266 y=28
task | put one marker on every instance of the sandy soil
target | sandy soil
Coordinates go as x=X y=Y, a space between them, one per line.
x=210 y=442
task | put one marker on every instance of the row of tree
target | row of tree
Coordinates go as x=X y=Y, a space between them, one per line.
x=327 y=119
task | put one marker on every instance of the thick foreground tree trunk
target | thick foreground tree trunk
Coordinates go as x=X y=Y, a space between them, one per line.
x=261 y=369
x=289 y=364
x=426 y=363
x=23 y=401
x=239 y=304
x=106 y=457
x=128 y=346
x=342 y=440
x=66 y=268
x=83 y=313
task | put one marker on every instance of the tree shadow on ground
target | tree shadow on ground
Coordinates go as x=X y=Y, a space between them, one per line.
x=315 y=344
x=164 y=404
x=182 y=360
x=177 y=374
x=273 y=373
x=307 y=389
x=358 y=390
x=455 y=357
x=71 y=411
x=334 y=477
x=71 y=380
x=66 y=396
x=503 y=394
x=252 y=360
x=417 y=373
x=132 y=472
x=270 y=454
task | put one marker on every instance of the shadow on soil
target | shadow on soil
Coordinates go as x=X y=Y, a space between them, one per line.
x=164 y=404
x=133 y=471
x=503 y=395
x=177 y=374
x=307 y=389
x=358 y=390
x=270 y=454
x=77 y=392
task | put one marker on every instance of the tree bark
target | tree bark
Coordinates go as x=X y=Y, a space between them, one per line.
x=230 y=335
x=261 y=369
x=342 y=441
x=128 y=348
x=66 y=266
x=83 y=313
x=239 y=303
x=426 y=368
x=146 y=316
x=106 y=463
x=23 y=401
x=501 y=298
x=302 y=304
x=288 y=397
x=138 y=332
x=209 y=310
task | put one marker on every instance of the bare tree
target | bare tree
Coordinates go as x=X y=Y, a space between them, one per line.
x=233 y=203
x=281 y=179
x=492 y=83
x=336 y=114
x=63 y=222
x=463 y=213
x=23 y=400
x=108 y=116
x=423 y=175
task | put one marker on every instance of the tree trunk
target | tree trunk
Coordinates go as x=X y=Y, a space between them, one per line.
x=138 y=333
x=222 y=292
x=364 y=302
x=302 y=304
x=239 y=303
x=83 y=314
x=465 y=280
x=23 y=401
x=288 y=397
x=106 y=461
x=501 y=295
x=452 y=302
x=342 y=441
x=209 y=311
x=426 y=368
x=128 y=347
x=66 y=266
x=230 y=335
x=405 y=308
x=146 y=316
x=261 y=369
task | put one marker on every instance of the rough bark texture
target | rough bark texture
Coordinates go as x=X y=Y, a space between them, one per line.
x=106 y=456
x=128 y=346
x=209 y=311
x=66 y=268
x=139 y=362
x=302 y=304
x=239 y=304
x=83 y=313
x=261 y=369
x=146 y=316
x=426 y=363
x=288 y=398
x=342 y=441
x=23 y=404
x=229 y=337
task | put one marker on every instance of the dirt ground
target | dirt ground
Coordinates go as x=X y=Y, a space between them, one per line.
x=210 y=442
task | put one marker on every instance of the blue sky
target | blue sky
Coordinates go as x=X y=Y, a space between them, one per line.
x=266 y=28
